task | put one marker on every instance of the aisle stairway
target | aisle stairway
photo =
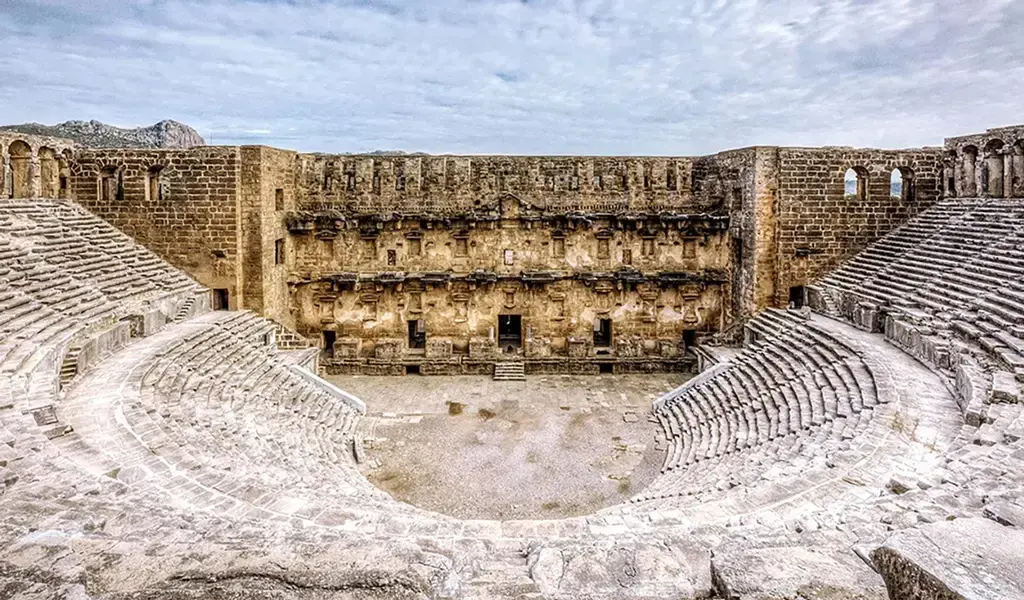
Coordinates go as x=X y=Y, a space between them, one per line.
x=510 y=370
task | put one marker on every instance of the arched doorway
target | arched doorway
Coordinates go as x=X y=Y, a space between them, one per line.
x=21 y=160
x=992 y=177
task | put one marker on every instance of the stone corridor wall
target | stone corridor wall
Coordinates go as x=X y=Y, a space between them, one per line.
x=819 y=225
x=181 y=204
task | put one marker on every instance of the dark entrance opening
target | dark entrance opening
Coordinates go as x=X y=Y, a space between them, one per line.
x=605 y=368
x=510 y=332
x=329 y=338
x=603 y=333
x=417 y=334
x=796 y=296
x=689 y=338
x=220 y=299
x=412 y=369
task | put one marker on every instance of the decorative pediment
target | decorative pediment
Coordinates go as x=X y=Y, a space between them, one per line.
x=511 y=206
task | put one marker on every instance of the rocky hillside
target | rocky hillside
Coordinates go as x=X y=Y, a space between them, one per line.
x=93 y=134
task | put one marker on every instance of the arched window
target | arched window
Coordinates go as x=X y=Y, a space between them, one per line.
x=110 y=185
x=992 y=176
x=154 y=190
x=901 y=184
x=21 y=157
x=855 y=183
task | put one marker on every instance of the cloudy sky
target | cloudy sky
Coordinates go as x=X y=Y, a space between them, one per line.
x=521 y=76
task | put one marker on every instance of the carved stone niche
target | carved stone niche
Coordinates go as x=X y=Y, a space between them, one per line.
x=326 y=303
x=387 y=349
x=509 y=292
x=439 y=349
x=482 y=348
x=460 y=297
x=369 y=302
x=556 y=299
x=414 y=304
x=603 y=298
x=578 y=347
x=347 y=347
x=648 y=302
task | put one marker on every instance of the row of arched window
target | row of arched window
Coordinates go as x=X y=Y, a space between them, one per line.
x=996 y=170
x=901 y=183
x=17 y=171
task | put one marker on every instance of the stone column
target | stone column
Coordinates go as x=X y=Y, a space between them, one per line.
x=1018 y=170
x=970 y=175
x=34 y=178
x=5 y=176
x=1008 y=173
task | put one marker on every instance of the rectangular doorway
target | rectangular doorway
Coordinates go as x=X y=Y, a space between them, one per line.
x=220 y=299
x=417 y=334
x=510 y=332
x=329 y=338
x=602 y=333
x=797 y=294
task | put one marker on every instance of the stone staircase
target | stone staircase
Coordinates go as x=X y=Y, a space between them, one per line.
x=69 y=368
x=185 y=311
x=509 y=370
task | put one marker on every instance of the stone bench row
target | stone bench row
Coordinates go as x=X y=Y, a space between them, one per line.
x=799 y=380
x=225 y=401
x=962 y=280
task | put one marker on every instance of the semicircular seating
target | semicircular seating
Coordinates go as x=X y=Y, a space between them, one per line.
x=124 y=398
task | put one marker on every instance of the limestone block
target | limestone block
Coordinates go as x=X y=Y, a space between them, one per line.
x=538 y=348
x=791 y=573
x=482 y=348
x=669 y=348
x=439 y=348
x=388 y=349
x=1005 y=512
x=1005 y=387
x=620 y=569
x=629 y=347
x=578 y=347
x=965 y=559
x=346 y=348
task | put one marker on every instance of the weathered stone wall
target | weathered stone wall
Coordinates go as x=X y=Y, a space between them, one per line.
x=561 y=242
x=653 y=280
x=989 y=164
x=455 y=185
x=267 y=190
x=819 y=226
x=358 y=246
x=181 y=204
x=34 y=166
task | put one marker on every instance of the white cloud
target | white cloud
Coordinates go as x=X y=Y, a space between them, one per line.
x=543 y=76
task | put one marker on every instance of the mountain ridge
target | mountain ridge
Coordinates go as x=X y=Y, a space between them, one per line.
x=95 y=134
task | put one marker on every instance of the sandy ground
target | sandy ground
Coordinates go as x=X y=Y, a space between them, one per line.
x=550 y=447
